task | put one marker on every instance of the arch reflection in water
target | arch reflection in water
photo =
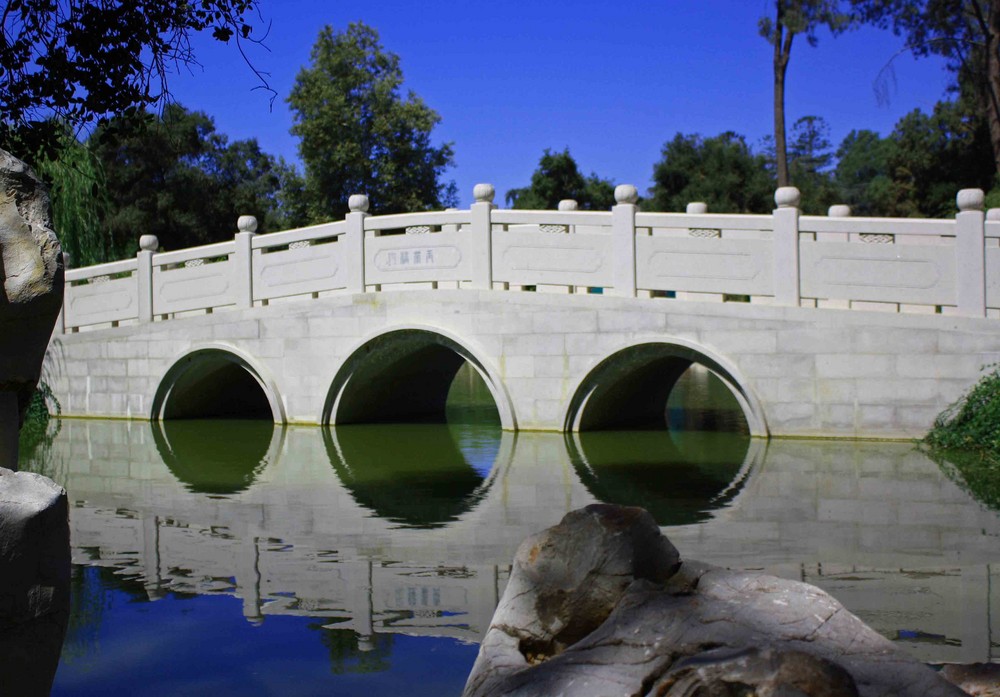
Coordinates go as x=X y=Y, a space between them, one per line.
x=679 y=477
x=219 y=457
x=415 y=475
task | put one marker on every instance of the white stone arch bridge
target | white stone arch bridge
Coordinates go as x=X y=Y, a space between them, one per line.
x=820 y=325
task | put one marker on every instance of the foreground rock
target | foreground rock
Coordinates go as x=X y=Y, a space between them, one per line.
x=977 y=679
x=31 y=292
x=602 y=605
x=34 y=581
x=34 y=524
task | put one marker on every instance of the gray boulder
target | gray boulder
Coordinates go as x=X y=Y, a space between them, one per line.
x=34 y=581
x=601 y=605
x=34 y=524
x=31 y=292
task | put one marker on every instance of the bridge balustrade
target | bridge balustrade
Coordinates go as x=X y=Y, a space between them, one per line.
x=949 y=267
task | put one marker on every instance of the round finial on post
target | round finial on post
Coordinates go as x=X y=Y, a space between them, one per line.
x=839 y=210
x=626 y=193
x=149 y=243
x=246 y=223
x=568 y=204
x=697 y=208
x=358 y=203
x=787 y=197
x=483 y=193
x=993 y=214
x=970 y=200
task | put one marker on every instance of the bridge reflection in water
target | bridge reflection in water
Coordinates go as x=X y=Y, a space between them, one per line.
x=403 y=529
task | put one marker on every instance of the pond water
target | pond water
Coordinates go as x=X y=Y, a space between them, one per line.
x=237 y=557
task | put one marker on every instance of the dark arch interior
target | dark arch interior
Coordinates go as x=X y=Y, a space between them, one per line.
x=212 y=385
x=401 y=377
x=657 y=387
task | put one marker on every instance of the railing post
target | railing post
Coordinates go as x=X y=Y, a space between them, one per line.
x=970 y=253
x=243 y=260
x=623 y=240
x=148 y=244
x=482 y=236
x=354 y=239
x=61 y=320
x=696 y=208
x=786 y=246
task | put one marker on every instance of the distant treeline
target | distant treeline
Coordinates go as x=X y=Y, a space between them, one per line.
x=175 y=176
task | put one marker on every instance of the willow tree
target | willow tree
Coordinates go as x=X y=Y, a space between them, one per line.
x=793 y=18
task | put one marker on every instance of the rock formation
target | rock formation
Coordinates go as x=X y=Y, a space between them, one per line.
x=34 y=528
x=31 y=292
x=601 y=604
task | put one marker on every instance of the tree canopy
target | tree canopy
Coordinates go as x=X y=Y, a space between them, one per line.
x=79 y=61
x=966 y=33
x=558 y=178
x=359 y=135
x=185 y=183
x=721 y=171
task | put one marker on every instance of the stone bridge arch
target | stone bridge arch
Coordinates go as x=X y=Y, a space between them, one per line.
x=417 y=361
x=217 y=381
x=631 y=385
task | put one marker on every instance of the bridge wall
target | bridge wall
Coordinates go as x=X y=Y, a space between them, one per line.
x=803 y=371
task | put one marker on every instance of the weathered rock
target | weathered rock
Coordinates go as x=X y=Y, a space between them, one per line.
x=34 y=581
x=977 y=679
x=31 y=290
x=763 y=672
x=643 y=615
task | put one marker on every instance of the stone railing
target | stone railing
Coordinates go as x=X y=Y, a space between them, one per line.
x=950 y=267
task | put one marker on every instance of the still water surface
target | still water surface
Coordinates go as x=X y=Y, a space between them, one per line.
x=235 y=557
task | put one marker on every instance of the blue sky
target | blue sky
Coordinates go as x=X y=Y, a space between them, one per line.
x=610 y=81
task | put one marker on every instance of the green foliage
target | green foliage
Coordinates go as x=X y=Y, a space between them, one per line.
x=965 y=440
x=35 y=429
x=810 y=160
x=359 y=135
x=721 y=171
x=973 y=422
x=978 y=475
x=919 y=167
x=177 y=178
x=966 y=33
x=79 y=195
x=558 y=178
x=803 y=17
x=86 y=60
x=863 y=173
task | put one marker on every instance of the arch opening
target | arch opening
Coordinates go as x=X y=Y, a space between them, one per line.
x=664 y=386
x=215 y=383
x=414 y=376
